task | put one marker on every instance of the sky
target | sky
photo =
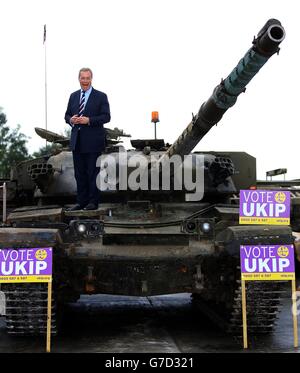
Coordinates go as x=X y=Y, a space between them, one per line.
x=154 y=55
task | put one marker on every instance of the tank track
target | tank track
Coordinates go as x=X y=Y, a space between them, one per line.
x=263 y=300
x=26 y=309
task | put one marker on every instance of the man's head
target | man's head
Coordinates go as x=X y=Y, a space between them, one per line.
x=85 y=77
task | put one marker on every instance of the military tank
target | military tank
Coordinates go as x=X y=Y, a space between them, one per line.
x=149 y=237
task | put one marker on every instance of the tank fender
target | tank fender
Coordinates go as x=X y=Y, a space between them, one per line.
x=29 y=237
x=229 y=240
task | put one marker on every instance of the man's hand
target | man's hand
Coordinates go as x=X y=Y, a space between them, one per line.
x=74 y=119
x=83 y=120
x=79 y=120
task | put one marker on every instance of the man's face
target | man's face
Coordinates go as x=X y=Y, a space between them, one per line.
x=85 y=80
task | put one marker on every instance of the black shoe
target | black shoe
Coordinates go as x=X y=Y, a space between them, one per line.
x=75 y=208
x=91 y=206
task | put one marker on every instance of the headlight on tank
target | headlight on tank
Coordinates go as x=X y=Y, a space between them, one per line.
x=205 y=227
x=198 y=227
x=86 y=228
x=191 y=226
x=81 y=228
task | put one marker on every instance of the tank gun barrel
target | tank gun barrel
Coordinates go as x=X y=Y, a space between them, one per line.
x=225 y=94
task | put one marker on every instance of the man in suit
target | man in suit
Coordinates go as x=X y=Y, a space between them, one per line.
x=87 y=111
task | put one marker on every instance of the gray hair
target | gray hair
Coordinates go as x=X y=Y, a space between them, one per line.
x=85 y=69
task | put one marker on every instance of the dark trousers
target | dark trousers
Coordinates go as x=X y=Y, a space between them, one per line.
x=85 y=174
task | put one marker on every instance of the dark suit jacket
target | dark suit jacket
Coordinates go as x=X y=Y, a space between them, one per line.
x=92 y=136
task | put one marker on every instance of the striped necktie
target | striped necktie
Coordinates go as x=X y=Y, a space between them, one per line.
x=81 y=105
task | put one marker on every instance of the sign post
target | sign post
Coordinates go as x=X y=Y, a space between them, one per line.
x=294 y=308
x=244 y=313
x=48 y=344
x=29 y=265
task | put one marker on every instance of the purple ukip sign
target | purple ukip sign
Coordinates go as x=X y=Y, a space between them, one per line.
x=267 y=262
x=26 y=265
x=264 y=207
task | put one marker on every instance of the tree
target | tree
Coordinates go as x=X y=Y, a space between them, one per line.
x=45 y=150
x=12 y=146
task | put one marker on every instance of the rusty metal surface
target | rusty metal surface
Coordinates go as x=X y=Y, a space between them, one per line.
x=42 y=214
x=87 y=213
x=27 y=237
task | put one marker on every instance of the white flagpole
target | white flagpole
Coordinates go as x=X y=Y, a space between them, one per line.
x=46 y=114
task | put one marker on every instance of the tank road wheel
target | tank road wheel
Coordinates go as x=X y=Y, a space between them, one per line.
x=26 y=309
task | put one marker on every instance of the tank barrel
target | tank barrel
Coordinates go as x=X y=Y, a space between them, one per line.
x=225 y=94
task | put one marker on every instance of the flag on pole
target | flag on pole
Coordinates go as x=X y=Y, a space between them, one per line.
x=44 y=34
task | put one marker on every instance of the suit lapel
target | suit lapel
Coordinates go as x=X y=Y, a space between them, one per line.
x=76 y=101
